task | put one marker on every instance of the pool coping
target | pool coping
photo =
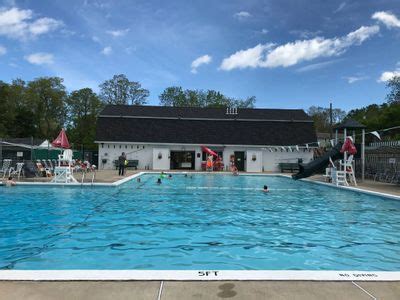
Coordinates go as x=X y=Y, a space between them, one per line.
x=200 y=275
x=196 y=275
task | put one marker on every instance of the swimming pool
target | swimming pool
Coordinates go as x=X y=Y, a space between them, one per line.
x=203 y=221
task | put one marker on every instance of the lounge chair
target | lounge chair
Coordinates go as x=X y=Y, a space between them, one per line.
x=17 y=170
x=6 y=167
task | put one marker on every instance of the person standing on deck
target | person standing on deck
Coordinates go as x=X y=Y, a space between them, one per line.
x=121 y=164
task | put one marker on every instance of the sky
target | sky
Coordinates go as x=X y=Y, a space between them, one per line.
x=287 y=53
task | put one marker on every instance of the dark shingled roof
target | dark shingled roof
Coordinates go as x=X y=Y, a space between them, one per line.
x=155 y=124
x=209 y=113
x=350 y=124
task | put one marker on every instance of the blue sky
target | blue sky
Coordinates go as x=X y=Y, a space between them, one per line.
x=287 y=53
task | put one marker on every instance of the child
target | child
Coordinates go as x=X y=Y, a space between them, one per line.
x=159 y=181
x=265 y=190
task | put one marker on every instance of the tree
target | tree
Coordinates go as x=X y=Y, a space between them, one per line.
x=119 y=90
x=176 y=96
x=394 y=86
x=47 y=97
x=173 y=96
x=83 y=106
x=7 y=113
x=321 y=117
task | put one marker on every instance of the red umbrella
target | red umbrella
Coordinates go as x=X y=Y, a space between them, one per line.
x=61 y=141
x=208 y=150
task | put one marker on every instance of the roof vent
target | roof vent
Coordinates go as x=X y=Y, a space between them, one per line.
x=231 y=111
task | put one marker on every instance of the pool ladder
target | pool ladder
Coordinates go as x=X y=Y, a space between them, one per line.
x=83 y=177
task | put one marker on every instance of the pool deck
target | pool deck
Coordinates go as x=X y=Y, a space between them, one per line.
x=202 y=289
x=176 y=290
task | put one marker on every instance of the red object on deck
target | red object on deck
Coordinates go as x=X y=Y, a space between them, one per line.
x=208 y=150
x=61 y=141
x=349 y=147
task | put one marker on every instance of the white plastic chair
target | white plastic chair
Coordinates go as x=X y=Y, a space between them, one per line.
x=6 y=167
x=66 y=156
x=17 y=171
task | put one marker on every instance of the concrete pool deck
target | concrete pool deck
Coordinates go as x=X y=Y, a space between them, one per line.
x=176 y=290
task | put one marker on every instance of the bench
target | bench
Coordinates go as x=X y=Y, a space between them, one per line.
x=292 y=167
x=131 y=164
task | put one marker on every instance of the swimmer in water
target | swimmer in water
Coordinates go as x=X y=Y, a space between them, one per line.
x=10 y=182
x=265 y=189
x=138 y=180
x=159 y=181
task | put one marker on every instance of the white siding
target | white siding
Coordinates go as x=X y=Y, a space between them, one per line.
x=145 y=154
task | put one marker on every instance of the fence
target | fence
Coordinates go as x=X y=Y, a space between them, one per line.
x=384 y=144
x=381 y=164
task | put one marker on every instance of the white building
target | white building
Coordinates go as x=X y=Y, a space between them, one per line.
x=164 y=138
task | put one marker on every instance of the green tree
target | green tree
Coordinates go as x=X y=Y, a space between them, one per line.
x=83 y=106
x=7 y=110
x=321 y=117
x=119 y=90
x=176 y=96
x=24 y=124
x=47 y=98
x=394 y=86
x=173 y=96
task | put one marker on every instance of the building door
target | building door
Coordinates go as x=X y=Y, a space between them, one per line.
x=239 y=160
x=182 y=160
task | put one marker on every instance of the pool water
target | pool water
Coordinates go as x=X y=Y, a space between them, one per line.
x=203 y=221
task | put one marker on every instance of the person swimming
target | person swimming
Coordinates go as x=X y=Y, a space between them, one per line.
x=159 y=181
x=265 y=189
x=138 y=180
x=10 y=182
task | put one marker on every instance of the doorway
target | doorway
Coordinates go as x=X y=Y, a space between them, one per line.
x=182 y=160
x=239 y=160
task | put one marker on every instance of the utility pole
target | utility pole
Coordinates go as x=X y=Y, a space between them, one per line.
x=330 y=120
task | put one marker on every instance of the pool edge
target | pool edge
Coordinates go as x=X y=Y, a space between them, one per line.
x=195 y=275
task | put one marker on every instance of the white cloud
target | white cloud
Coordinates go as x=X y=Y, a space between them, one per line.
x=202 y=60
x=107 y=50
x=385 y=76
x=306 y=34
x=40 y=58
x=44 y=25
x=317 y=66
x=3 y=50
x=264 y=31
x=242 y=15
x=387 y=18
x=118 y=33
x=269 y=56
x=353 y=79
x=18 y=23
x=341 y=6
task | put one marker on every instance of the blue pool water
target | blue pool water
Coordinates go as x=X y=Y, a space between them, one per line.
x=203 y=222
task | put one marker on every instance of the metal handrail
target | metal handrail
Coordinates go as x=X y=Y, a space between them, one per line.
x=93 y=176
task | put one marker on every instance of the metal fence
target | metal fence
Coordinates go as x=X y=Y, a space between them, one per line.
x=381 y=164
